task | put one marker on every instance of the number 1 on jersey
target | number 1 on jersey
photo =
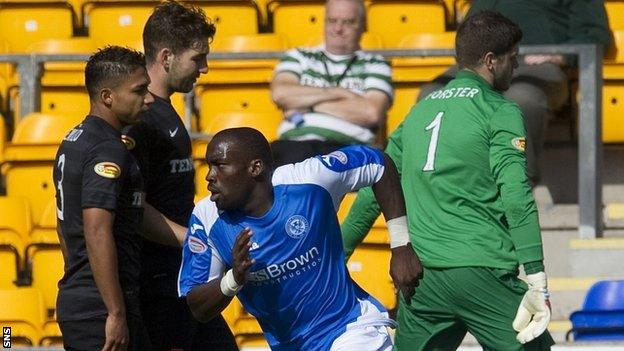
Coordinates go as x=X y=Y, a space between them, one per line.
x=433 y=143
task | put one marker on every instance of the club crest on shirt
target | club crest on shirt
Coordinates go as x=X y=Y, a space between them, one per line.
x=196 y=245
x=107 y=170
x=519 y=143
x=297 y=226
x=128 y=141
x=338 y=155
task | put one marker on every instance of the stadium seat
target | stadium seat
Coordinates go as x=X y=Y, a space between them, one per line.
x=22 y=310
x=243 y=71
x=63 y=73
x=394 y=19
x=378 y=233
x=51 y=335
x=404 y=99
x=369 y=266
x=612 y=104
x=615 y=14
x=602 y=316
x=44 y=231
x=231 y=17
x=32 y=180
x=46 y=268
x=38 y=135
x=218 y=98
x=460 y=10
x=25 y=22
x=116 y=22
x=15 y=226
x=297 y=20
x=265 y=122
x=201 y=190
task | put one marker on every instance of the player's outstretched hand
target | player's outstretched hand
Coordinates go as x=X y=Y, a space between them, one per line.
x=116 y=331
x=241 y=261
x=405 y=270
x=534 y=311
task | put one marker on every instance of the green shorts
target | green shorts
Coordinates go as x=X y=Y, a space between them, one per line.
x=452 y=301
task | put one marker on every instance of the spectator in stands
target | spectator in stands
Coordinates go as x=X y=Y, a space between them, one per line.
x=99 y=193
x=332 y=95
x=271 y=237
x=176 y=40
x=540 y=84
x=471 y=213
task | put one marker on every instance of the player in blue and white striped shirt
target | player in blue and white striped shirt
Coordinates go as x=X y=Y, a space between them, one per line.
x=272 y=238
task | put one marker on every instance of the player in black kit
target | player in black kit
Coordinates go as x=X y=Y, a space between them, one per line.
x=176 y=39
x=99 y=195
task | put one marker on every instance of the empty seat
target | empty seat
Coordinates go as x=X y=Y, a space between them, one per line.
x=369 y=266
x=15 y=224
x=404 y=99
x=378 y=233
x=423 y=69
x=22 y=310
x=116 y=22
x=602 y=316
x=615 y=14
x=32 y=180
x=51 y=335
x=265 y=122
x=392 y=20
x=218 y=98
x=297 y=20
x=63 y=73
x=243 y=71
x=231 y=17
x=24 y=23
x=46 y=267
x=612 y=90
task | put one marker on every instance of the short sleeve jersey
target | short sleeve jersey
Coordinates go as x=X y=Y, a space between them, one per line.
x=93 y=169
x=299 y=288
x=162 y=147
x=359 y=73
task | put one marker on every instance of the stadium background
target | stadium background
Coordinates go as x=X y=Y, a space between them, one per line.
x=236 y=93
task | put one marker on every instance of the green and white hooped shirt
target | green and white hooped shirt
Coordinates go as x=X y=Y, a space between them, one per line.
x=358 y=73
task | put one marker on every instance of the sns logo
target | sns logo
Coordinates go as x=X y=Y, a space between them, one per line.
x=297 y=226
x=338 y=155
x=6 y=337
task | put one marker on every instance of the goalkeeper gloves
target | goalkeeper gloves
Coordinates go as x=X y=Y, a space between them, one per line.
x=533 y=313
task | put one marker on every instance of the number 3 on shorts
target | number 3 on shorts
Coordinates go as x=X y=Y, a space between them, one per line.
x=433 y=143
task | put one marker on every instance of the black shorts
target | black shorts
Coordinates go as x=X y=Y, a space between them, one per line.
x=89 y=334
x=171 y=326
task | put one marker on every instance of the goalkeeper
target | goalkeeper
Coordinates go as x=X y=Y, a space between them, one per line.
x=472 y=217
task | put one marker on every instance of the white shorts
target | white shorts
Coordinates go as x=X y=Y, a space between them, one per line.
x=368 y=333
x=369 y=338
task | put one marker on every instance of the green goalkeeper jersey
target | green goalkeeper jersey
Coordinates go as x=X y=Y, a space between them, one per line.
x=460 y=153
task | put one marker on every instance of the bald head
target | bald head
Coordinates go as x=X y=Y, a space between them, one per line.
x=247 y=143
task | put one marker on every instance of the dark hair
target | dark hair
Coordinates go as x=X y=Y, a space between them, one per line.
x=250 y=142
x=110 y=66
x=175 y=26
x=486 y=31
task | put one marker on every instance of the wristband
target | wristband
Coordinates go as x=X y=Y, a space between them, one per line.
x=397 y=228
x=229 y=286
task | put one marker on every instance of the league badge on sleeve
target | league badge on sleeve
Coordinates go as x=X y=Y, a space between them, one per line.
x=196 y=245
x=336 y=155
x=519 y=143
x=107 y=170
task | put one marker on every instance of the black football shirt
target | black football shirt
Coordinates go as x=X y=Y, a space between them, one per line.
x=162 y=147
x=93 y=169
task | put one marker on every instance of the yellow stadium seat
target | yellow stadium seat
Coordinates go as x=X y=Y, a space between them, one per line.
x=44 y=231
x=116 y=22
x=243 y=71
x=63 y=73
x=46 y=266
x=24 y=23
x=201 y=190
x=217 y=98
x=404 y=99
x=394 y=19
x=378 y=233
x=22 y=310
x=15 y=226
x=613 y=67
x=38 y=135
x=369 y=266
x=32 y=180
x=297 y=20
x=460 y=10
x=265 y=122
x=231 y=17
x=423 y=69
x=613 y=111
x=615 y=13
x=51 y=335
